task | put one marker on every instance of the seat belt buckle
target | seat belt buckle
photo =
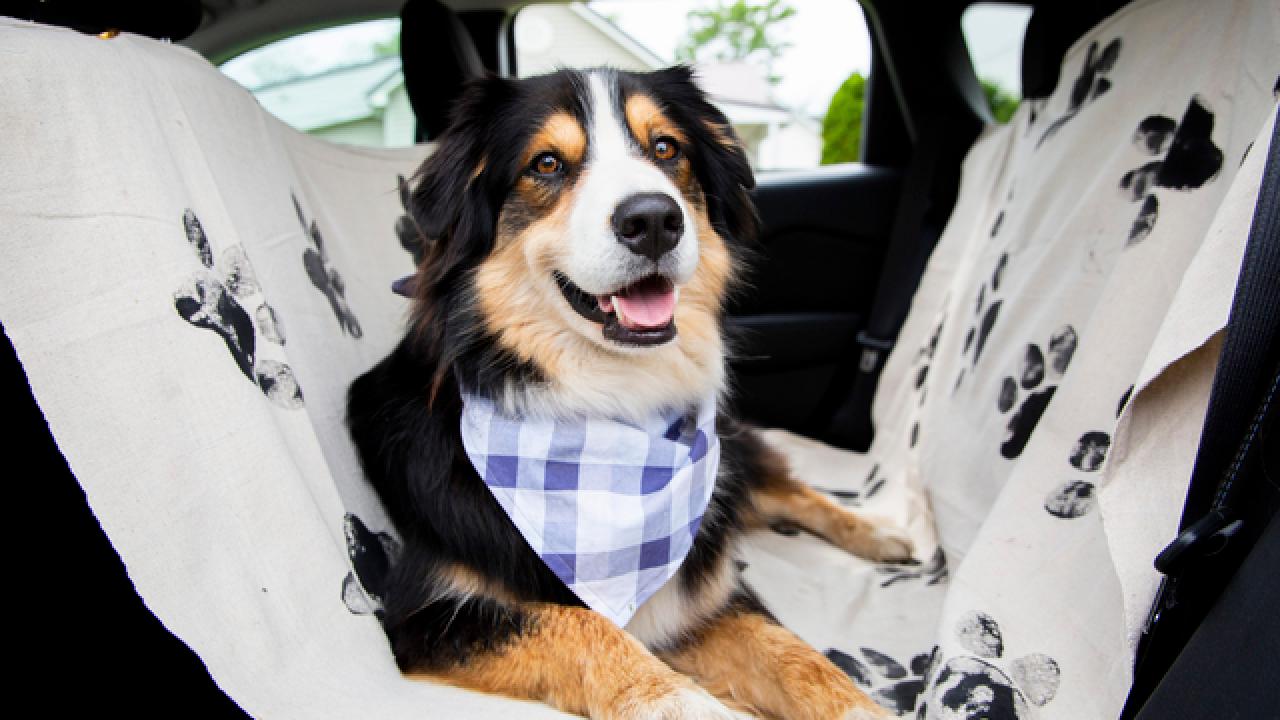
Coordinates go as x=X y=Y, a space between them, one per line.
x=874 y=350
x=1206 y=536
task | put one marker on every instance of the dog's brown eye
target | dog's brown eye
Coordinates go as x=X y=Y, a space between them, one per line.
x=547 y=164
x=666 y=149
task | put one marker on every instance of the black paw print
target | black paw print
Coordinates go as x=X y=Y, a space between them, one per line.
x=371 y=556
x=986 y=312
x=892 y=685
x=1035 y=368
x=854 y=498
x=411 y=239
x=931 y=572
x=1190 y=160
x=212 y=299
x=325 y=276
x=973 y=687
x=1091 y=83
x=1075 y=498
x=924 y=359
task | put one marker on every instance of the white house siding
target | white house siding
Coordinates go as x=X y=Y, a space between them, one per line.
x=553 y=36
x=398 y=122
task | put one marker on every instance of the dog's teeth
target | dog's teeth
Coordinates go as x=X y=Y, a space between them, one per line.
x=606 y=303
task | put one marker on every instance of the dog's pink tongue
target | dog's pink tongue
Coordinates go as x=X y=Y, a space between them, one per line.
x=649 y=304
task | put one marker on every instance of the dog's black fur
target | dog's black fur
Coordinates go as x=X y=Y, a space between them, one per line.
x=404 y=413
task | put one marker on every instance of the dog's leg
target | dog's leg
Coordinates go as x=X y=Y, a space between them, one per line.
x=780 y=497
x=751 y=661
x=579 y=662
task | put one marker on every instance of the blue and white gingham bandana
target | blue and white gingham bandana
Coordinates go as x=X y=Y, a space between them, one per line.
x=611 y=507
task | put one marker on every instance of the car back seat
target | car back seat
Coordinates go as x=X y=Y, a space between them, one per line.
x=190 y=287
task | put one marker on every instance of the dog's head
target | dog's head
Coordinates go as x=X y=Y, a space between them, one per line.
x=585 y=227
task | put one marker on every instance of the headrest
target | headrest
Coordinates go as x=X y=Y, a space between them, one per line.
x=438 y=56
x=1051 y=31
x=173 y=20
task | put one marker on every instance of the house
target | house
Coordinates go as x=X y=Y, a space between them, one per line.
x=366 y=103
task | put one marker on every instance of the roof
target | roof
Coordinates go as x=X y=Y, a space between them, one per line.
x=332 y=97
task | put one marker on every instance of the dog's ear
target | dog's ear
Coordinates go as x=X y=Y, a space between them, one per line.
x=454 y=203
x=719 y=156
x=448 y=182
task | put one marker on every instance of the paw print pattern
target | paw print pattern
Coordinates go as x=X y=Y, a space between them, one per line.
x=973 y=687
x=1091 y=83
x=325 y=276
x=854 y=498
x=1036 y=368
x=411 y=237
x=214 y=299
x=371 y=555
x=931 y=573
x=986 y=312
x=1188 y=159
x=1076 y=498
x=890 y=684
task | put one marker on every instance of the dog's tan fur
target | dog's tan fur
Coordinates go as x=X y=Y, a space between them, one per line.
x=574 y=658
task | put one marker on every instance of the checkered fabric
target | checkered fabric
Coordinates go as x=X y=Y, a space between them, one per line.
x=610 y=506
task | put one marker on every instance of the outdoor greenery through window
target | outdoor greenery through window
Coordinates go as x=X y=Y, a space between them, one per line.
x=993 y=33
x=789 y=74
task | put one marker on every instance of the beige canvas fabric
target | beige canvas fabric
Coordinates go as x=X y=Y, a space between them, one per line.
x=191 y=286
x=1053 y=280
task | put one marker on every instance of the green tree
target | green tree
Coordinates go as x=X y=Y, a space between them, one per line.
x=736 y=30
x=842 y=126
x=1002 y=102
x=387 y=48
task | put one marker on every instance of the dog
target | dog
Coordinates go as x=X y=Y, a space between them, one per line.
x=581 y=231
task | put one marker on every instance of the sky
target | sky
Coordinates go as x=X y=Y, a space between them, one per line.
x=828 y=40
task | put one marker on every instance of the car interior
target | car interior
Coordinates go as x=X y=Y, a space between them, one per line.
x=831 y=288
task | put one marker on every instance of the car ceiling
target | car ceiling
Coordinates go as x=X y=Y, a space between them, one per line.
x=232 y=26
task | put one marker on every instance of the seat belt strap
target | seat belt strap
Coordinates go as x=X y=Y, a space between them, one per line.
x=1243 y=396
x=908 y=250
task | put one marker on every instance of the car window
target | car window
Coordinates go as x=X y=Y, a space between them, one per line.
x=993 y=33
x=789 y=74
x=341 y=83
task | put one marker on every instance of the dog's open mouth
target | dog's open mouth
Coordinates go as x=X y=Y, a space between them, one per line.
x=642 y=313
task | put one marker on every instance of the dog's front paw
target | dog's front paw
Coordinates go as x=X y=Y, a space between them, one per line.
x=684 y=702
x=870 y=712
x=869 y=539
x=888 y=545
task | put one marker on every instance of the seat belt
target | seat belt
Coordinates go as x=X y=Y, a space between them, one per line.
x=1228 y=504
x=908 y=250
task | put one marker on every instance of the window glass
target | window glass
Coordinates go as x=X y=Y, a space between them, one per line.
x=341 y=83
x=993 y=33
x=787 y=73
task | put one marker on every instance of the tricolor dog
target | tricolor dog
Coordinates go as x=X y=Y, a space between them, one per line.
x=550 y=437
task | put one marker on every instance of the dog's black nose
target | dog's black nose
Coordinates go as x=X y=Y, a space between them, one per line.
x=649 y=224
